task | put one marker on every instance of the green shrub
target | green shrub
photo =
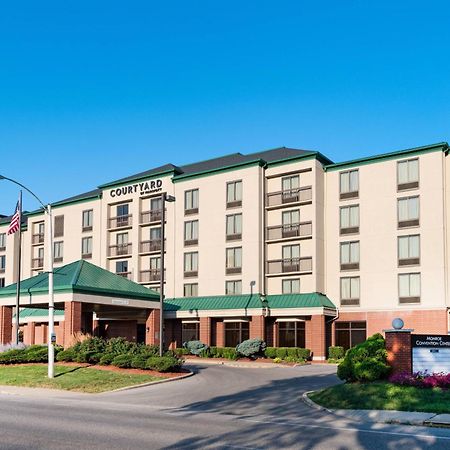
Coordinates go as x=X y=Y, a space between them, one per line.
x=291 y=352
x=303 y=353
x=366 y=361
x=122 y=361
x=181 y=351
x=271 y=352
x=336 y=352
x=204 y=353
x=164 y=364
x=195 y=347
x=120 y=346
x=145 y=350
x=66 y=355
x=213 y=352
x=106 y=359
x=294 y=359
x=277 y=360
x=36 y=354
x=14 y=356
x=139 y=362
x=218 y=352
x=281 y=352
x=230 y=353
x=251 y=348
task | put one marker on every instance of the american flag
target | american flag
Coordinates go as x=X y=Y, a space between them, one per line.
x=14 y=226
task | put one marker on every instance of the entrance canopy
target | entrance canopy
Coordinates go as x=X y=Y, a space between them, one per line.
x=100 y=290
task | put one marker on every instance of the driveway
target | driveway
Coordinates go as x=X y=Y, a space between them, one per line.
x=220 y=407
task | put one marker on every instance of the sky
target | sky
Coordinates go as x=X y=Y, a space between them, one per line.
x=93 y=91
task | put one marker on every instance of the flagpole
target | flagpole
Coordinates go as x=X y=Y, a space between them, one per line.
x=19 y=268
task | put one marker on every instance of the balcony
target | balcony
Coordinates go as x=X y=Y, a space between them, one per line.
x=37 y=263
x=150 y=276
x=154 y=215
x=150 y=246
x=126 y=275
x=298 y=195
x=120 y=222
x=296 y=230
x=289 y=265
x=37 y=238
x=119 y=250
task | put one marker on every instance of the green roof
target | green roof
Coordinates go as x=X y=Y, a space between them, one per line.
x=83 y=277
x=37 y=312
x=310 y=300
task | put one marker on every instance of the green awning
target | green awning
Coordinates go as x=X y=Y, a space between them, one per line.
x=309 y=300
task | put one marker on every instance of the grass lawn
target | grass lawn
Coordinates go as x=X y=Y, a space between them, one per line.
x=383 y=395
x=70 y=378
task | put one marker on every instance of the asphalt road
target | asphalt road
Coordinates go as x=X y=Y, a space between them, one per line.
x=220 y=407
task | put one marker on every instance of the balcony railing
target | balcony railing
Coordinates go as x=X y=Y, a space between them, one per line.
x=120 y=250
x=37 y=263
x=149 y=276
x=153 y=245
x=302 y=229
x=38 y=238
x=154 y=215
x=297 y=195
x=120 y=221
x=289 y=265
x=124 y=274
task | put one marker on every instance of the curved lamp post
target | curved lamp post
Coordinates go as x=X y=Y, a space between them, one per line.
x=51 y=305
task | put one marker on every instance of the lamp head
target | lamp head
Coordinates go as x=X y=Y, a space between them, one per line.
x=2 y=177
x=170 y=198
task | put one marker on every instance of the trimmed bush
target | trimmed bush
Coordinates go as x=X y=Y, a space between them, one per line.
x=195 y=347
x=122 y=361
x=139 y=362
x=336 y=352
x=303 y=353
x=213 y=352
x=230 y=353
x=181 y=351
x=366 y=361
x=164 y=364
x=251 y=348
x=66 y=355
x=281 y=352
x=271 y=352
x=106 y=359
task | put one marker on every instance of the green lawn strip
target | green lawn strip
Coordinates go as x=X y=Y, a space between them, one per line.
x=70 y=378
x=383 y=395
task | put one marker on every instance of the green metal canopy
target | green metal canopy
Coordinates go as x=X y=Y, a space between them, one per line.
x=82 y=277
x=309 y=300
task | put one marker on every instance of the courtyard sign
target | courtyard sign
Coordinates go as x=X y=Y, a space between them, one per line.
x=430 y=353
x=144 y=188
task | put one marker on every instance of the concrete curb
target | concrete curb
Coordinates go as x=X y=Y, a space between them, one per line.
x=150 y=383
x=384 y=416
x=243 y=365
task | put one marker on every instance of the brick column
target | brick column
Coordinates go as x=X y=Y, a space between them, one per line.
x=220 y=334
x=275 y=334
x=28 y=333
x=205 y=330
x=257 y=327
x=152 y=331
x=6 y=327
x=315 y=337
x=72 y=321
x=398 y=347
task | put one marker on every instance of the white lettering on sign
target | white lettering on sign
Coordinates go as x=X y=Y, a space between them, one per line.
x=144 y=188
x=430 y=353
x=120 y=302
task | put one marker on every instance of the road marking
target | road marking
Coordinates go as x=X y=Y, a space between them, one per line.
x=394 y=433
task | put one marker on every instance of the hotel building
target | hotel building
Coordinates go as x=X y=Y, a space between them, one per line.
x=282 y=244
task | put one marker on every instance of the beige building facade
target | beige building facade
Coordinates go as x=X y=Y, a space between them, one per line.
x=282 y=244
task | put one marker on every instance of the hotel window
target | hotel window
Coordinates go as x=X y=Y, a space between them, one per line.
x=2 y=241
x=38 y=236
x=59 y=226
x=234 y=227
x=349 y=334
x=86 y=247
x=290 y=183
x=350 y=255
x=409 y=250
x=235 y=333
x=58 y=248
x=408 y=212
x=409 y=287
x=408 y=174
x=2 y=282
x=291 y=258
x=191 y=264
x=191 y=232
x=350 y=291
x=122 y=245
x=122 y=269
x=349 y=219
x=123 y=217
x=234 y=194
x=233 y=287
x=155 y=265
x=234 y=260
x=190 y=290
x=190 y=331
x=87 y=220
x=2 y=263
x=290 y=221
x=291 y=286
x=191 y=202
x=291 y=334
x=349 y=184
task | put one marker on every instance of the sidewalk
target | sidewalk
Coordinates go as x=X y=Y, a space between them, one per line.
x=385 y=416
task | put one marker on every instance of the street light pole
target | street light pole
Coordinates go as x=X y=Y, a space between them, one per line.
x=51 y=304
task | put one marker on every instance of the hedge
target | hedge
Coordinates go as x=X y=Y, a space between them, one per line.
x=336 y=352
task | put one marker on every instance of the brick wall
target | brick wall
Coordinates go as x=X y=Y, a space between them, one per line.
x=398 y=346
x=315 y=337
x=72 y=321
x=5 y=324
x=205 y=330
x=257 y=327
x=152 y=334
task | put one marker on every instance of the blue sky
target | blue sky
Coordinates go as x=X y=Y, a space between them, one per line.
x=94 y=91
